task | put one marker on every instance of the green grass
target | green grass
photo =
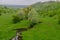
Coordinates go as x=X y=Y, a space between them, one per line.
x=6 y=26
x=49 y=29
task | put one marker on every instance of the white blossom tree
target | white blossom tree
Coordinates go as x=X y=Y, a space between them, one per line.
x=33 y=16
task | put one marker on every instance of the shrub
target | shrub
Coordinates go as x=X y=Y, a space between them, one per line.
x=0 y=14
x=51 y=15
x=59 y=22
x=58 y=19
x=16 y=19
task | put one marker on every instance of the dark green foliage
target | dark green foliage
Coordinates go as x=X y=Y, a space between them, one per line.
x=59 y=22
x=32 y=25
x=0 y=14
x=16 y=19
x=51 y=15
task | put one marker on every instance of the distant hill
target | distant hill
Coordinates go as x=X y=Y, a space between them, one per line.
x=15 y=6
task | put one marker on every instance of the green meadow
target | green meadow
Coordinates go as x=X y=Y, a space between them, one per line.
x=49 y=29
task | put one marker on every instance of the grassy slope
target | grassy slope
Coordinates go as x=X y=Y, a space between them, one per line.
x=49 y=29
x=6 y=26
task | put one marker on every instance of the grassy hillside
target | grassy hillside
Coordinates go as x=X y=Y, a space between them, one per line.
x=49 y=29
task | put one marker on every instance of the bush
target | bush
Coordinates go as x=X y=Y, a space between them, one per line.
x=0 y=14
x=59 y=22
x=58 y=19
x=16 y=19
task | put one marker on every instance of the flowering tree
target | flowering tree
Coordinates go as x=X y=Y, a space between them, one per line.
x=33 y=16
